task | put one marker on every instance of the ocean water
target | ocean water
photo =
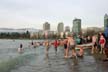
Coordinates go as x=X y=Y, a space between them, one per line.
x=35 y=59
x=10 y=58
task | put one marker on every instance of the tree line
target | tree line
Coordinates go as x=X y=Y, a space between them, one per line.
x=26 y=35
x=15 y=35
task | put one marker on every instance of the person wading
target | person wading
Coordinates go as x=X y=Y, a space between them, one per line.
x=20 y=49
x=55 y=46
x=71 y=45
x=65 y=48
x=79 y=42
x=94 y=47
x=47 y=46
x=102 y=43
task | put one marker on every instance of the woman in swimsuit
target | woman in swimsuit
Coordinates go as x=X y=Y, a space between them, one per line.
x=102 y=42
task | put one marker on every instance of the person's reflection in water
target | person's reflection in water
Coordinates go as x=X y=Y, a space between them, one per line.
x=47 y=58
x=75 y=61
x=48 y=61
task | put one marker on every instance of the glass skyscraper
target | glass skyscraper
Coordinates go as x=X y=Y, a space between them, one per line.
x=76 y=26
x=105 y=21
x=46 y=26
x=60 y=27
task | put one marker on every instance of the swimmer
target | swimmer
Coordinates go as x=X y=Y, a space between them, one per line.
x=20 y=49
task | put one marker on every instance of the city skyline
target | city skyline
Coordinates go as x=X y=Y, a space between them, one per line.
x=33 y=13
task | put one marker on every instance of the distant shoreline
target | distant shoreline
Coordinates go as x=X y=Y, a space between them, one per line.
x=22 y=39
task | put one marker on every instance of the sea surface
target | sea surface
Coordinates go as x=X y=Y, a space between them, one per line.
x=35 y=60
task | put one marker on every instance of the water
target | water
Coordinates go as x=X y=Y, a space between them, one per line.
x=35 y=60
x=10 y=58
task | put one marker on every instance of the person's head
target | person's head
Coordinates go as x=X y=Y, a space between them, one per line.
x=102 y=36
x=56 y=40
x=78 y=36
x=88 y=37
x=100 y=33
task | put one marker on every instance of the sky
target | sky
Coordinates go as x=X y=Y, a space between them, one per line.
x=33 y=13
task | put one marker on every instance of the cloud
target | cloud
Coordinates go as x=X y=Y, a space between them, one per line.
x=20 y=13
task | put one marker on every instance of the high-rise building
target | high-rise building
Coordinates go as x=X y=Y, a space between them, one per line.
x=60 y=27
x=46 y=26
x=105 y=21
x=67 y=29
x=76 y=26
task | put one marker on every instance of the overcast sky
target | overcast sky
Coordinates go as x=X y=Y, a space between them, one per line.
x=33 y=13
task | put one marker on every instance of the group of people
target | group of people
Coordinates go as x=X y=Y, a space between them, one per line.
x=68 y=43
x=71 y=43
x=31 y=45
x=99 y=44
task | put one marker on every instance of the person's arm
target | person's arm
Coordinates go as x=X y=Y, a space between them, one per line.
x=104 y=42
x=63 y=41
x=99 y=41
x=68 y=43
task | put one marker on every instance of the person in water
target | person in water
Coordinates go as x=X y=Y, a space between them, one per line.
x=89 y=39
x=47 y=46
x=71 y=45
x=55 y=45
x=20 y=49
x=94 y=46
x=32 y=43
x=79 y=42
x=106 y=44
x=102 y=42
x=65 y=48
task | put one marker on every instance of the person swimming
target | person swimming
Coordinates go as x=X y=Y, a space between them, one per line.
x=20 y=49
